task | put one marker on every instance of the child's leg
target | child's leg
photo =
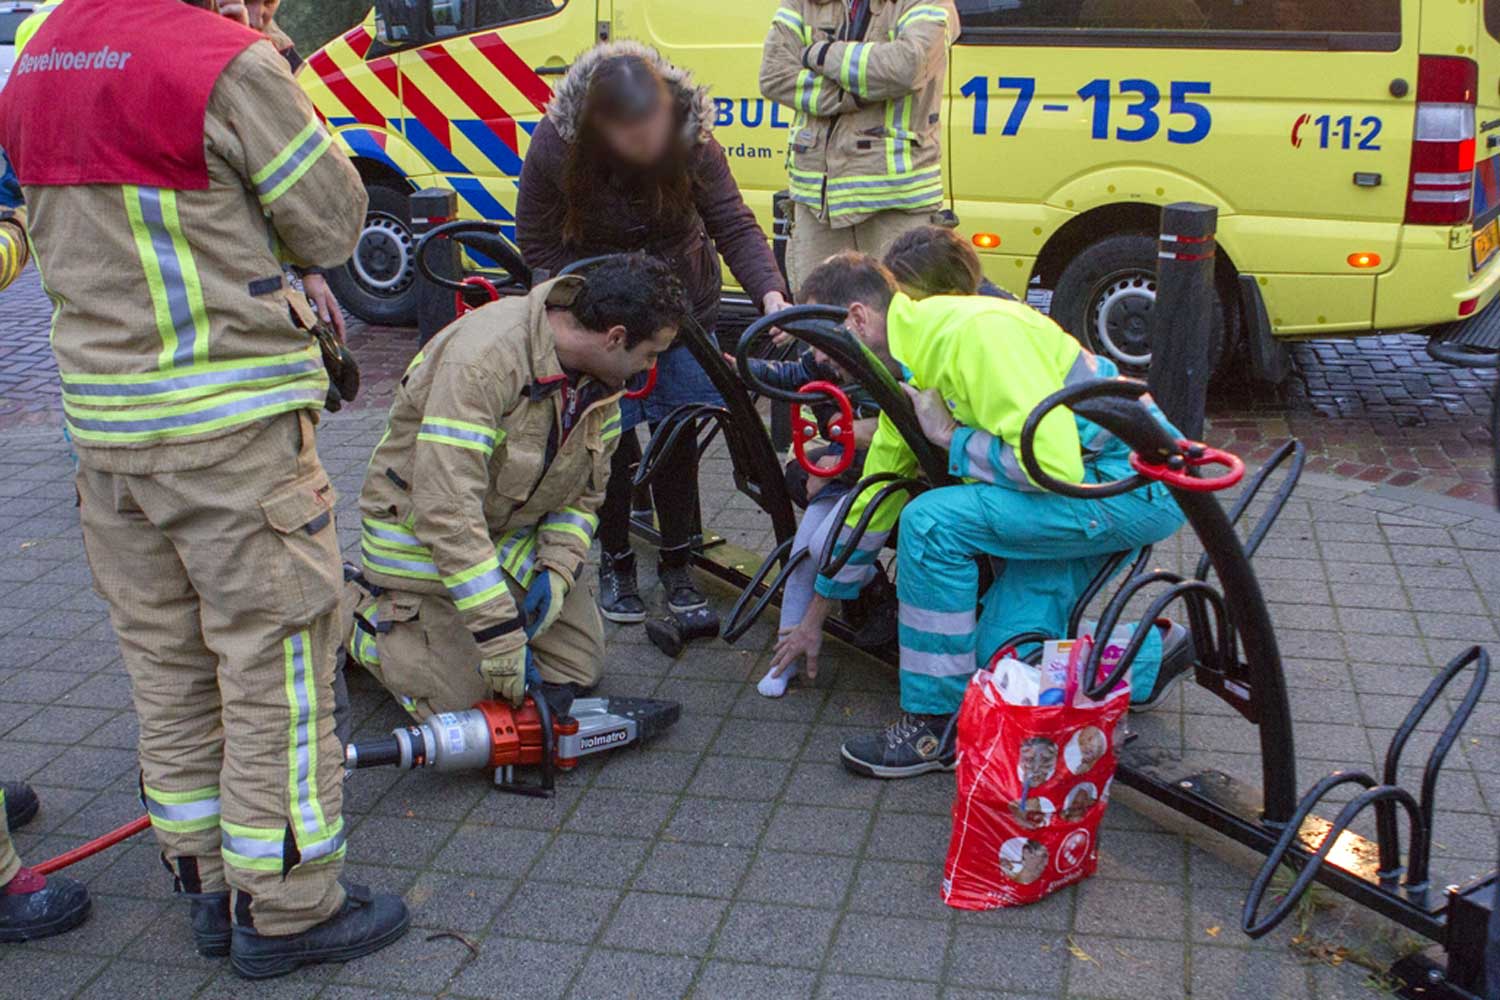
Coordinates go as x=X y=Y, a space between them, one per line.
x=812 y=535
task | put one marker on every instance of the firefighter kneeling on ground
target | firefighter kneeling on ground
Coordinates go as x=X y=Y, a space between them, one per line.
x=481 y=501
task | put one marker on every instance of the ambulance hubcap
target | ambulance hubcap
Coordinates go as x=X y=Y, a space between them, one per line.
x=384 y=261
x=1122 y=318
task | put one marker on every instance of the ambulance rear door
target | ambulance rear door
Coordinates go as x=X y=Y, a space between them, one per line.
x=473 y=98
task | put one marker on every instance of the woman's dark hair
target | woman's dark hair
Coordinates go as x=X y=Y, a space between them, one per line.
x=633 y=290
x=847 y=278
x=622 y=89
x=932 y=260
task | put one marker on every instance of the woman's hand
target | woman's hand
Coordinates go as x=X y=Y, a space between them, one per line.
x=324 y=301
x=933 y=414
x=774 y=302
x=804 y=642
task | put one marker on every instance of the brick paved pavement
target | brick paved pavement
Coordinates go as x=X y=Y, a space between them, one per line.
x=1377 y=409
x=734 y=857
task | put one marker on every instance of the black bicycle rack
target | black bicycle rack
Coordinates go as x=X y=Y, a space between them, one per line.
x=509 y=276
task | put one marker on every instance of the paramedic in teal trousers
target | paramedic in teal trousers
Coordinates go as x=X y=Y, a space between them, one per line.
x=976 y=367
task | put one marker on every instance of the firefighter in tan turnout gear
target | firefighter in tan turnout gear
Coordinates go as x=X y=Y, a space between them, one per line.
x=479 y=506
x=866 y=79
x=162 y=205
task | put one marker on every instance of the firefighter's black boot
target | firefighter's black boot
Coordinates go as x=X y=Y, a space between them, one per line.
x=34 y=906
x=21 y=804
x=209 y=917
x=368 y=922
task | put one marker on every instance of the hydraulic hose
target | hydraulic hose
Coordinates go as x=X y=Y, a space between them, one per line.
x=93 y=847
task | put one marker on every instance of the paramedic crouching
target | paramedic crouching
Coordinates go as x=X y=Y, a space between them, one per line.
x=978 y=367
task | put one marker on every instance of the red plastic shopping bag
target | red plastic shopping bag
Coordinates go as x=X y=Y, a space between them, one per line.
x=1033 y=784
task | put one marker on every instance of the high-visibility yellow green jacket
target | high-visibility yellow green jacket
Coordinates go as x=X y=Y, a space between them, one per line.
x=993 y=361
x=13 y=250
x=474 y=480
x=868 y=132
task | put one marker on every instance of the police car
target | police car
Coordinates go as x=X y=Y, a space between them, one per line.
x=1352 y=149
x=11 y=16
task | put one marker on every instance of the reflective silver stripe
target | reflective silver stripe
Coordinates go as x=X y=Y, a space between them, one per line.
x=183 y=812
x=177 y=383
x=251 y=847
x=482 y=582
x=936 y=664
x=178 y=421
x=411 y=566
x=392 y=535
x=937 y=622
x=323 y=848
x=310 y=147
x=977 y=451
x=858 y=571
x=912 y=180
x=459 y=434
x=1010 y=464
x=171 y=275
x=305 y=734
x=583 y=522
x=1085 y=367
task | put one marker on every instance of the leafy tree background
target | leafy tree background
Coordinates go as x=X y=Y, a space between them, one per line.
x=313 y=22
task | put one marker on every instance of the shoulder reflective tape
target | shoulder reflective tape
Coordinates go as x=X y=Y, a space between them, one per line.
x=923 y=13
x=171 y=275
x=460 y=434
x=287 y=167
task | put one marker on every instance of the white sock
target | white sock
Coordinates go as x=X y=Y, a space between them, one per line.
x=774 y=687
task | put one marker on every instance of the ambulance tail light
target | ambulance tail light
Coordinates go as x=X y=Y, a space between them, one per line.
x=1441 y=188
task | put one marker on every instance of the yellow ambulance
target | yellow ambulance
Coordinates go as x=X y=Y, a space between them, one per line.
x=1348 y=146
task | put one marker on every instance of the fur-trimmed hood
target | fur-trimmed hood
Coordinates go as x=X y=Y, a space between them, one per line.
x=691 y=99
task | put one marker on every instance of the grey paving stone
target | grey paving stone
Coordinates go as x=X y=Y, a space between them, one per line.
x=463 y=903
x=610 y=975
x=814 y=783
x=802 y=879
x=719 y=821
x=1125 y=968
x=1004 y=958
x=585 y=859
x=898 y=888
x=910 y=836
x=557 y=912
x=540 y=969
x=817 y=829
x=1241 y=974
x=736 y=981
x=847 y=987
x=619 y=812
x=672 y=925
x=741 y=778
x=767 y=934
x=488 y=850
x=39 y=975
x=696 y=869
x=893 y=946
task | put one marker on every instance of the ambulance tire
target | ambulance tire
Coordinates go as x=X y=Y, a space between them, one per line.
x=380 y=287
x=1104 y=295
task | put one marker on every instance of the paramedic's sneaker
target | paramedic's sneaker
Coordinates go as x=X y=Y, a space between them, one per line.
x=683 y=594
x=619 y=594
x=912 y=745
x=1176 y=663
x=34 y=906
x=21 y=804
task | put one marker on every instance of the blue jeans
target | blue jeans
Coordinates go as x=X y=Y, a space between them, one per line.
x=679 y=380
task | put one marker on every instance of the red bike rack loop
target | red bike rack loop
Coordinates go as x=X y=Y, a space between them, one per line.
x=646 y=389
x=461 y=305
x=1192 y=455
x=840 y=431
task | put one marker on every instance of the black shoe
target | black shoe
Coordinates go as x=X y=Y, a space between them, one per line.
x=367 y=923
x=619 y=594
x=21 y=804
x=683 y=595
x=209 y=917
x=912 y=745
x=1176 y=663
x=32 y=906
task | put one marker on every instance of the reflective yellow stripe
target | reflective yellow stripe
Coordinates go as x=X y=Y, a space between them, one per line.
x=171 y=275
x=287 y=167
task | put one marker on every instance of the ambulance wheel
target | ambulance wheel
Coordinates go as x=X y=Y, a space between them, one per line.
x=379 y=284
x=1105 y=295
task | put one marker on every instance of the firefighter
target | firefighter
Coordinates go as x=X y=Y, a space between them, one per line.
x=481 y=500
x=978 y=367
x=190 y=390
x=866 y=79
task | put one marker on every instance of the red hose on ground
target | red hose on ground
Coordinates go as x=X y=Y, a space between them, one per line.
x=93 y=847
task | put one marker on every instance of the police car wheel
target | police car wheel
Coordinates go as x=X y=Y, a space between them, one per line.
x=1105 y=295
x=379 y=284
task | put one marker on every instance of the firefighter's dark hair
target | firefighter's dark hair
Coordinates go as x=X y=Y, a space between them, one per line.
x=847 y=278
x=633 y=290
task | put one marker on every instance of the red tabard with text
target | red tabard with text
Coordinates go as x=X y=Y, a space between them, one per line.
x=1033 y=784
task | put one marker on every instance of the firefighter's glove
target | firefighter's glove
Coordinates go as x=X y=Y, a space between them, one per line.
x=544 y=601
x=933 y=414
x=505 y=673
